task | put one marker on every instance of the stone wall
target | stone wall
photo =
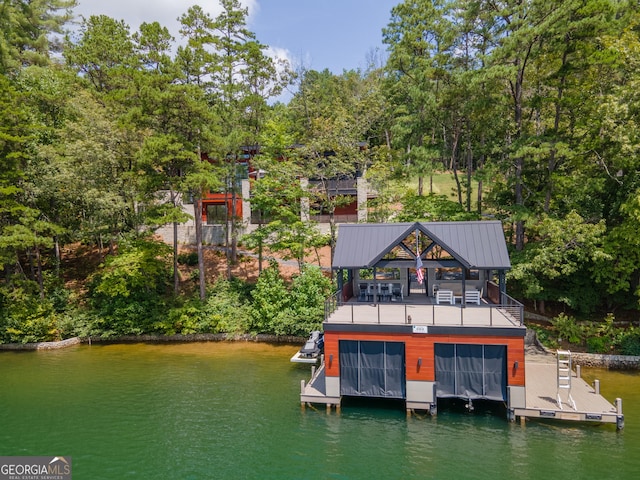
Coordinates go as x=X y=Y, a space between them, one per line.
x=41 y=345
x=613 y=362
x=595 y=360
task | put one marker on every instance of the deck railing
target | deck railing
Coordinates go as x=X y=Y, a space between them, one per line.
x=508 y=312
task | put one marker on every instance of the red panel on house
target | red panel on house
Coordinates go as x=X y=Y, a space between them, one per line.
x=422 y=346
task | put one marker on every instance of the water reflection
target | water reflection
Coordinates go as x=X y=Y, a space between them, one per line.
x=232 y=411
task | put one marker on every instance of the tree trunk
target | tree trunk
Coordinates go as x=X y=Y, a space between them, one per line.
x=176 y=276
x=39 y=272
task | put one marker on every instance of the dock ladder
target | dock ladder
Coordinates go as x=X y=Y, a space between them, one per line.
x=564 y=376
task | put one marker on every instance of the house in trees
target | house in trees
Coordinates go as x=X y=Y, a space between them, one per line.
x=219 y=207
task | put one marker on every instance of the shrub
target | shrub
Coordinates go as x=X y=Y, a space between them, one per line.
x=25 y=317
x=188 y=258
x=544 y=336
x=227 y=309
x=568 y=329
x=629 y=343
x=309 y=291
x=270 y=301
x=598 y=345
x=128 y=292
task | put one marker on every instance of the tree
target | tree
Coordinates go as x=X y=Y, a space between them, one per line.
x=243 y=77
x=27 y=32
x=104 y=55
x=559 y=265
x=333 y=115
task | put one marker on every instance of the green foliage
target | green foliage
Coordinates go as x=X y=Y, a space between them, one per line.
x=530 y=105
x=188 y=258
x=545 y=336
x=25 y=31
x=559 y=264
x=25 y=317
x=567 y=328
x=289 y=311
x=431 y=208
x=598 y=345
x=226 y=310
x=128 y=292
x=228 y=307
x=270 y=300
x=629 y=343
x=308 y=293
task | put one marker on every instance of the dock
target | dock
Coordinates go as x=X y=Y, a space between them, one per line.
x=583 y=404
x=541 y=402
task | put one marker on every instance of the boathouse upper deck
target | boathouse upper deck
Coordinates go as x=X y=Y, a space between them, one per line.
x=420 y=311
x=420 y=275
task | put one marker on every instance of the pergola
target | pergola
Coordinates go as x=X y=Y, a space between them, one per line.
x=478 y=245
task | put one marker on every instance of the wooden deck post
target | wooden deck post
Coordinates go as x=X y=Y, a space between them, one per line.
x=620 y=418
x=596 y=386
x=578 y=371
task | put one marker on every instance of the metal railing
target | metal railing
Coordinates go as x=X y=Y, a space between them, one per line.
x=509 y=312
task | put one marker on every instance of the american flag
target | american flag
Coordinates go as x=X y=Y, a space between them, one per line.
x=419 y=273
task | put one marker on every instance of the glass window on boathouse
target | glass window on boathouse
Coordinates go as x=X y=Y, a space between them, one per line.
x=471 y=371
x=372 y=369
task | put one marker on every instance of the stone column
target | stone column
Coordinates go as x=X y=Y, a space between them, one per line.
x=362 y=190
x=304 y=201
x=246 y=202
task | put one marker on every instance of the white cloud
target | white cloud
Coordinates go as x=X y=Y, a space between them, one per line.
x=165 y=12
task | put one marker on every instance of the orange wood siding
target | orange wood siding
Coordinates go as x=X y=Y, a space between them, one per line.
x=422 y=346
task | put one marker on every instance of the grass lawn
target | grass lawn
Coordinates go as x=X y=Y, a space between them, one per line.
x=445 y=184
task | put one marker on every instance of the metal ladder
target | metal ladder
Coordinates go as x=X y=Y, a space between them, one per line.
x=564 y=376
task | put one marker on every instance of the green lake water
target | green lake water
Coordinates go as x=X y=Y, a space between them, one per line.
x=231 y=410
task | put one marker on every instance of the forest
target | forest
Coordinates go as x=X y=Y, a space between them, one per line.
x=530 y=106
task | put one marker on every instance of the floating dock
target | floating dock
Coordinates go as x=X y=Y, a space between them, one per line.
x=299 y=358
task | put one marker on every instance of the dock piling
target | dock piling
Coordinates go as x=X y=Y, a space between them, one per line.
x=596 y=386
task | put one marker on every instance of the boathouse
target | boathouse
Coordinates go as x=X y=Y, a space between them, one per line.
x=421 y=313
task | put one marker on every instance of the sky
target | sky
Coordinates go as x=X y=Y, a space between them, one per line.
x=314 y=34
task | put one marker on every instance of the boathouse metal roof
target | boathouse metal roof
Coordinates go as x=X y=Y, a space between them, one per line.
x=477 y=245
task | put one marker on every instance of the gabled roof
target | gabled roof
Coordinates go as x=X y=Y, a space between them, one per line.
x=474 y=244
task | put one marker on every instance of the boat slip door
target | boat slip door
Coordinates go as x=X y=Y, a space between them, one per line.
x=372 y=369
x=471 y=371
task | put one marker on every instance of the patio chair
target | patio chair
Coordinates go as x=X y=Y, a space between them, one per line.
x=362 y=297
x=396 y=292
x=371 y=290
x=472 y=296
x=384 y=292
x=445 y=296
